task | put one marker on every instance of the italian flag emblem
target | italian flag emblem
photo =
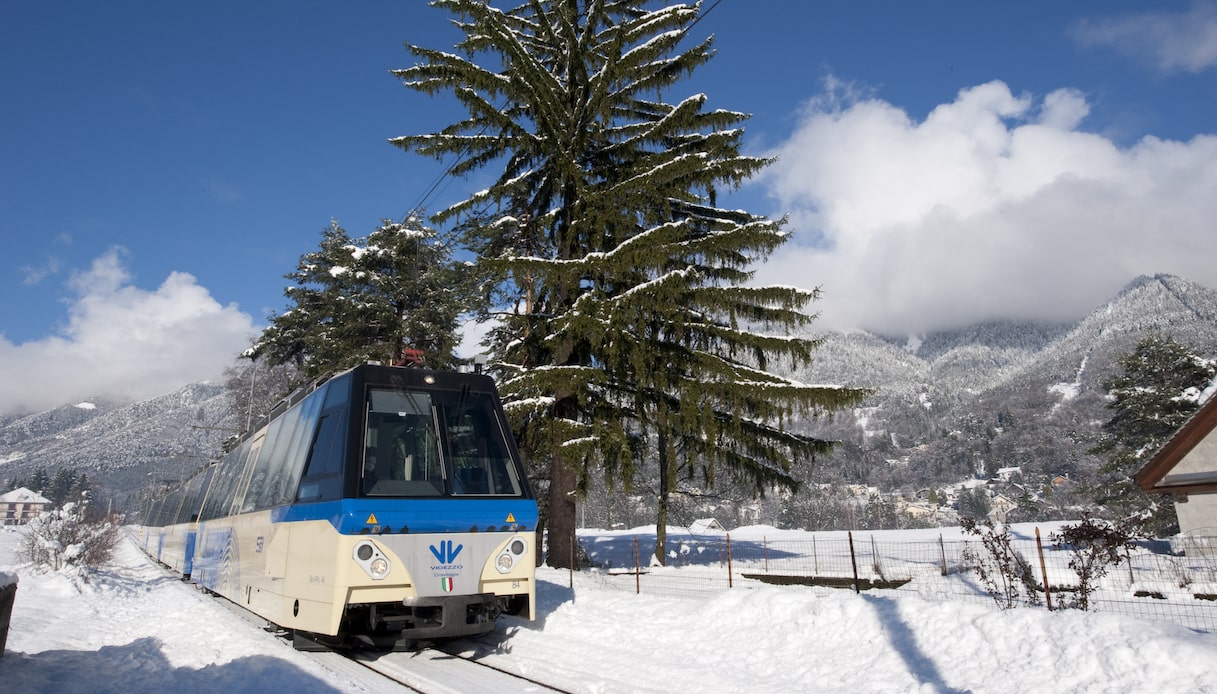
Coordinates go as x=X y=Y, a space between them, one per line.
x=446 y=583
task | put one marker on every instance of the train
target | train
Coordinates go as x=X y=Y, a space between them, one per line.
x=381 y=506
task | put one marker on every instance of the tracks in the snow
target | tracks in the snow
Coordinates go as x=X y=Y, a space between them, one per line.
x=436 y=671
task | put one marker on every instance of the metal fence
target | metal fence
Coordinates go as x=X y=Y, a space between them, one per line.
x=1170 y=581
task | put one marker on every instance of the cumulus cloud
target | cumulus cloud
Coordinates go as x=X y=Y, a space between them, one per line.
x=1170 y=41
x=996 y=205
x=121 y=340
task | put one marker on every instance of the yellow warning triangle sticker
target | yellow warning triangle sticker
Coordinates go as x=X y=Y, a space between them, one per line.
x=372 y=519
x=511 y=518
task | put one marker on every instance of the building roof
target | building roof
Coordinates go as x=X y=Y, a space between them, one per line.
x=705 y=524
x=21 y=495
x=1156 y=475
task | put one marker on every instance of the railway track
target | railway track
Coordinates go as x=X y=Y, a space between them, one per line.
x=432 y=670
x=437 y=671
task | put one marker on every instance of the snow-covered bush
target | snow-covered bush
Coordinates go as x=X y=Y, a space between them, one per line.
x=64 y=537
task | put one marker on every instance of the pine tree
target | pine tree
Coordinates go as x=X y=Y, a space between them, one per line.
x=60 y=490
x=625 y=330
x=1154 y=395
x=38 y=481
x=370 y=298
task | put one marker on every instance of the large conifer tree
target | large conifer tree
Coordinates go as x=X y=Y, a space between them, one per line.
x=355 y=300
x=625 y=330
x=1153 y=396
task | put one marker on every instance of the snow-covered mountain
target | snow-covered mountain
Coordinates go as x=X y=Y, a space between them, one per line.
x=971 y=401
x=948 y=405
x=122 y=447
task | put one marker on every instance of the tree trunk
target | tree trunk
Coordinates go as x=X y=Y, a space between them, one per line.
x=561 y=522
x=661 y=517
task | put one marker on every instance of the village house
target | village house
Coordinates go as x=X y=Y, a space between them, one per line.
x=1000 y=507
x=21 y=505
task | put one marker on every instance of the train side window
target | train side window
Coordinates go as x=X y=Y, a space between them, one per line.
x=245 y=473
x=322 y=477
x=281 y=463
x=224 y=483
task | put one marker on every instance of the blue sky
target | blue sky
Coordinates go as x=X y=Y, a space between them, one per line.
x=163 y=165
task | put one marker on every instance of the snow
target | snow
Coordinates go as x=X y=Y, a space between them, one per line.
x=1067 y=391
x=86 y=406
x=134 y=628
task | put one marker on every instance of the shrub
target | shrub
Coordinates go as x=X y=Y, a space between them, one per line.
x=63 y=537
x=1006 y=575
x=1094 y=547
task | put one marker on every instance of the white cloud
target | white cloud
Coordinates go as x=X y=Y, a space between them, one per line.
x=32 y=275
x=125 y=341
x=1171 y=42
x=990 y=207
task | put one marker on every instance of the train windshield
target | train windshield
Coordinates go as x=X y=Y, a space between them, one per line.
x=436 y=443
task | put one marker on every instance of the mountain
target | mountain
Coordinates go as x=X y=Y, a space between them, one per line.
x=968 y=402
x=122 y=447
x=948 y=406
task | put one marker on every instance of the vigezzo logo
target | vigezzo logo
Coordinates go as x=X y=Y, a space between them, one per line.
x=446 y=553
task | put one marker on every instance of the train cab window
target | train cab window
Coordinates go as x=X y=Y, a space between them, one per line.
x=480 y=460
x=401 y=446
x=437 y=442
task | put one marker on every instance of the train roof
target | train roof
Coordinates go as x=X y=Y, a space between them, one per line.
x=376 y=373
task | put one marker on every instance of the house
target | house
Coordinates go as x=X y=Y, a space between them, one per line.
x=704 y=525
x=21 y=505
x=1000 y=507
x=1005 y=474
x=1186 y=468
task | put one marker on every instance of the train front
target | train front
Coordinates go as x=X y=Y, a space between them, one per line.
x=437 y=527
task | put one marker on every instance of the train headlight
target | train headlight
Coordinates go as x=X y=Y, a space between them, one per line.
x=504 y=563
x=374 y=563
x=379 y=568
x=507 y=559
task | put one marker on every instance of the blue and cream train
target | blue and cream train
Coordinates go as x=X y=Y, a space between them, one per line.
x=383 y=505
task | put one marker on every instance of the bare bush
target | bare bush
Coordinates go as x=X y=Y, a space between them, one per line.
x=1094 y=547
x=1005 y=573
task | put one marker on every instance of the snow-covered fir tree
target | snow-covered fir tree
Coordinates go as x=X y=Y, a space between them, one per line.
x=1154 y=395
x=369 y=298
x=625 y=330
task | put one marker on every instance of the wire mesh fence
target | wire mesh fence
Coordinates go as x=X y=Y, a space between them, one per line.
x=1169 y=581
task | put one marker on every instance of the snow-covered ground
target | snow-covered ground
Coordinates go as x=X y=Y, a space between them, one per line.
x=132 y=628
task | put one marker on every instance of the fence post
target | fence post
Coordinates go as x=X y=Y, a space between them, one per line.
x=765 y=548
x=730 y=578
x=874 y=555
x=637 y=569
x=1128 y=556
x=942 y=553
x=853 y=559
x=1039 y=546
x=815 y=556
